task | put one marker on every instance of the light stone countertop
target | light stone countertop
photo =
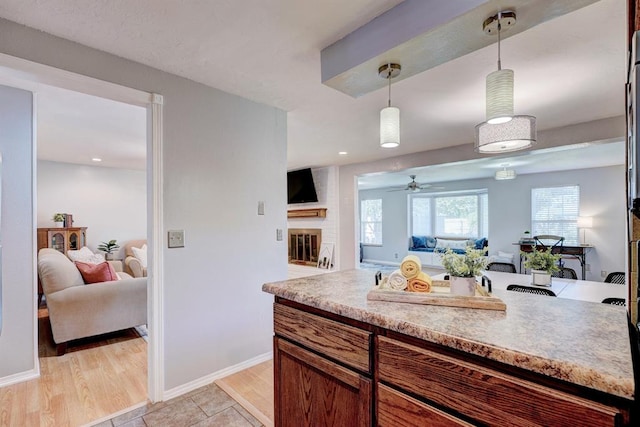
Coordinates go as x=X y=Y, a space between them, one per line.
x=584 y=343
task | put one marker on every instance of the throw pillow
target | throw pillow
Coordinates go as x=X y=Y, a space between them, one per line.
x=96 y=273
x=431 y=242
x=419 y=241
x=453 y=244
x=479 y=244
x=84 y=254
x=140 y=254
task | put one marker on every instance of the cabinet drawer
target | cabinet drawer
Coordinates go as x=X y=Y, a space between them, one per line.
x=399 y=410
x=341 y=342
x=484 y=394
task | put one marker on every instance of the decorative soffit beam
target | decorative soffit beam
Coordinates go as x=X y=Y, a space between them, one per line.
x=422 y=34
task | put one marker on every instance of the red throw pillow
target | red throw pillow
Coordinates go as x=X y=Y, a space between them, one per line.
x=95 y=273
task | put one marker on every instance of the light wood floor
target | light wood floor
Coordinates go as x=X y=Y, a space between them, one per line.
x=253 y=389
x=105 y=375
x=97 y=377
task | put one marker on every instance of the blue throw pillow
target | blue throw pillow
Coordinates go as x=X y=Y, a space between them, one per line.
x=480 y=243
x=431 y=242
x=419 y=242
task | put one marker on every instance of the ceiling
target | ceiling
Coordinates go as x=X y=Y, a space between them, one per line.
x=568 y=70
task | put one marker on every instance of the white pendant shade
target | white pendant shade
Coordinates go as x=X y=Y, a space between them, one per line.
x=505 y=174
x=499 y=96
x=390 y=127
x=516 y=134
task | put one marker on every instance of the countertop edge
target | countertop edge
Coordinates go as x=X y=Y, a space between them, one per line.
x=565 y=371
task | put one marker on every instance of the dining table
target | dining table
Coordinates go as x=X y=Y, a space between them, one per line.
x=575 y=289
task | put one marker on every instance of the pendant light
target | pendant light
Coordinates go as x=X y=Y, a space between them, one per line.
x=389 y=116
x=502 y=131
x=505 y=173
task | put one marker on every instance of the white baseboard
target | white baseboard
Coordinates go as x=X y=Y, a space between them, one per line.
x=31 y=374
x=375 y=261
x=208 y=379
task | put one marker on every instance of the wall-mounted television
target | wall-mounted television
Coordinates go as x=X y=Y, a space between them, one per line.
x=300 y=187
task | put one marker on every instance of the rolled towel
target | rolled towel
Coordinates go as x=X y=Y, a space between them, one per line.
x=410 y=266
x=422 y=283
x=397 y=281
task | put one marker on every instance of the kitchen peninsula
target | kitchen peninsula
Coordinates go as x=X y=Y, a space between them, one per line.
x=342 y=360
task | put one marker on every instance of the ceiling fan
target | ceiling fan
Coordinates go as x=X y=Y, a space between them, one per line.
x=415 y=187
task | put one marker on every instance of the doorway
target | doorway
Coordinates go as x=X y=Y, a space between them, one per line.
x=27 y=75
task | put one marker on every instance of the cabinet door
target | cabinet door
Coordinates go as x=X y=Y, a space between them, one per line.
x=396 y=409
x=57 y=240
x=312 y=391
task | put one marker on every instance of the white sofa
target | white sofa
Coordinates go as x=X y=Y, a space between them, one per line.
x=77 y=310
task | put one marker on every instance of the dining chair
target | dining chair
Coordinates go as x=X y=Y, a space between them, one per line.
x=565 y=273
x=505 y=267
x=614 y=301
x=531 y=290
x=615 y=277
x=548 y=241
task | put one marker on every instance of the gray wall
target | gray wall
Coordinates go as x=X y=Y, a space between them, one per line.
x=111 y=203
x=222 y=154
x=17 y=351
x=602 y=196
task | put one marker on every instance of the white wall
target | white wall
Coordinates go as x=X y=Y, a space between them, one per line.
x=326 y=183
x=222 y=154
x=602 y=196
x=17 y=351
x=111 y=203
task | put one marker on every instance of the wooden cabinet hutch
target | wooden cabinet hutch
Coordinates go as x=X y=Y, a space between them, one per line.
x=62 y=239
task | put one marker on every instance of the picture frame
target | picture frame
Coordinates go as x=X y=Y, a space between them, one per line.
x=325 y=256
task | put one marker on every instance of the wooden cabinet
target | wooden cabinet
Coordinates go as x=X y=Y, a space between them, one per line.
x=483 y=394
x=313 y=387
x=62 y=239
x=335 y=371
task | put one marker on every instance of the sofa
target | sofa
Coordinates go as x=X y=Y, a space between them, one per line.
x=429 y=248
x=77 y=310
x=133 y=265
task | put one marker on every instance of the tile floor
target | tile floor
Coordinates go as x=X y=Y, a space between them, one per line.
x=208 y=406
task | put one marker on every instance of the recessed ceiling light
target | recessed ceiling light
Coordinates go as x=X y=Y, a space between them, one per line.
x=342 y=153
x=96 y=159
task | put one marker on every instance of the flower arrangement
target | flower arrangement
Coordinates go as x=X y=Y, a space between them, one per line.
x=469 y=264
x=541 y=260
x=58 y=217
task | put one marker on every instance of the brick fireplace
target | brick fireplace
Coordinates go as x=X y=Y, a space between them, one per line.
x=304 y=245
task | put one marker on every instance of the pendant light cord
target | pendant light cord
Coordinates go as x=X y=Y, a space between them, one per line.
x=389 y=71
x=499 y=25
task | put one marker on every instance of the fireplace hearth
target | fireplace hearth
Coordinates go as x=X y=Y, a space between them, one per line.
x=304 y=245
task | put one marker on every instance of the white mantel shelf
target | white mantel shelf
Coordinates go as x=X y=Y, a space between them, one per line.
x=307 y=213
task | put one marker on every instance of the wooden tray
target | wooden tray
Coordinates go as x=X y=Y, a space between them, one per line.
x=440 y=295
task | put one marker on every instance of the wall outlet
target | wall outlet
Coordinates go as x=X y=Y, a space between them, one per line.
x=603 y=273
x=587 y=267
x=396 y=255
x=176 y=238
x=260 y=208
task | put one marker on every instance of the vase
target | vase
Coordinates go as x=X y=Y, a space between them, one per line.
x=463 y=285
x=540 y=278
x=59 y=224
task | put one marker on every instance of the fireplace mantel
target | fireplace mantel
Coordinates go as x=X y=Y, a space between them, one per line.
x=307 y=213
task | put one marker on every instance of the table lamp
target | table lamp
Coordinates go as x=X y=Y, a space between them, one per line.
x=585 y=222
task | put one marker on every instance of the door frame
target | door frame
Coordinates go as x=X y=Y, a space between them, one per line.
x=23 y=74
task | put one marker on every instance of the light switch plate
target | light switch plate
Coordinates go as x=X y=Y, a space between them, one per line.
x=176 y=238
x=279 y=234
x=260 y=208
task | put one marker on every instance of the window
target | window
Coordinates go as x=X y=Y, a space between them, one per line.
x=371 y=222
x=554 y=210
x=463 y=214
